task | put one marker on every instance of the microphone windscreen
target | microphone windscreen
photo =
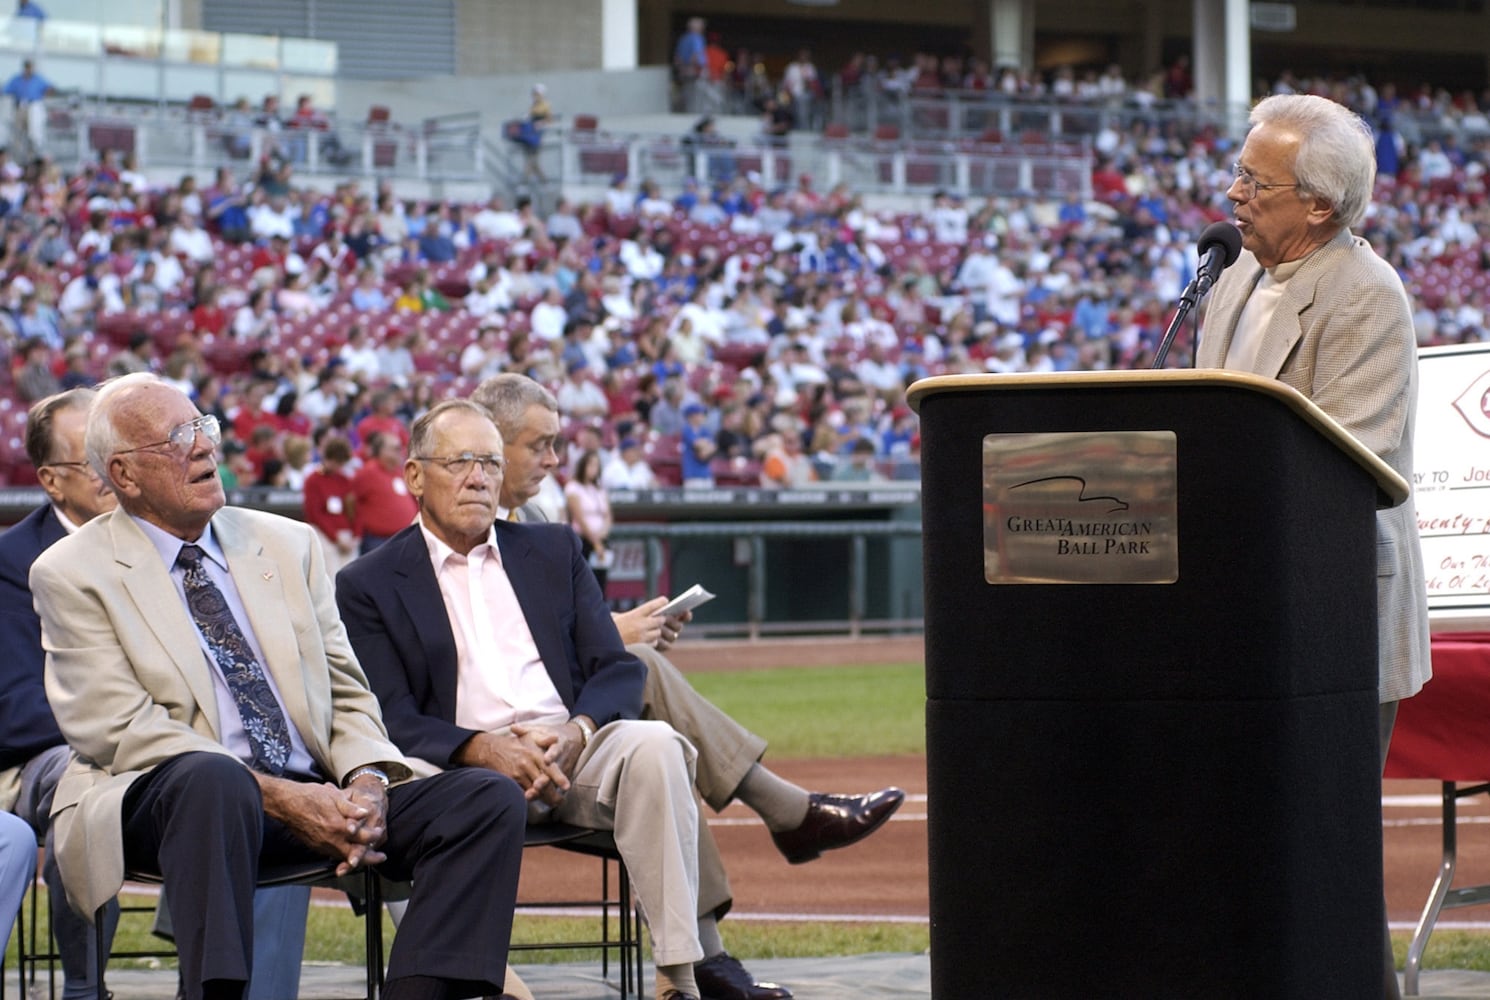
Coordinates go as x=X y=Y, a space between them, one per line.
x=1224 y=235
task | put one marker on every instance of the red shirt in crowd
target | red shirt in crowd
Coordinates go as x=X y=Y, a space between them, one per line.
x=327 y=502
x=209 y=319
x=383 y=504
x=375 y=423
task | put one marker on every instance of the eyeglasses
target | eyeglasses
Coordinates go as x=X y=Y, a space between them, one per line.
x=183 y=436
x=460 y=466
x=86 y=467
x=1251 y=185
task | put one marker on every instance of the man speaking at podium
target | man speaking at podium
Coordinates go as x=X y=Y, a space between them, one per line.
x=1312 y=305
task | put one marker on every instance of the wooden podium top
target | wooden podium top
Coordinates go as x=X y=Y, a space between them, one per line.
x=1390 y=484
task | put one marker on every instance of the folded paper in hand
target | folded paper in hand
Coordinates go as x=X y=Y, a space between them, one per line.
x=685 y=602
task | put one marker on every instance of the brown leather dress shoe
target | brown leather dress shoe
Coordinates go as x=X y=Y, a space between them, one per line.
x=835 y=821
x=724 y=978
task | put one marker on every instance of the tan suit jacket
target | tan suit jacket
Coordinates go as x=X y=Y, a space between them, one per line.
x=1342 y=335
x=131 y=687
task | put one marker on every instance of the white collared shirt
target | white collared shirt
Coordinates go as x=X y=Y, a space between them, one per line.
x=65 y=521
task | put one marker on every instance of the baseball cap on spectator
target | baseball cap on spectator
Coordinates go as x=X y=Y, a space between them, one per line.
x=1010 y=342
x=628 y=443
x=692 y=408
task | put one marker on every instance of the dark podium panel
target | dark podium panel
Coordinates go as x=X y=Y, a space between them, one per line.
x=1157 y=790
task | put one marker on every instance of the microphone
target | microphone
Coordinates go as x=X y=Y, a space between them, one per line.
x=1220 y=244
x=1219 y=247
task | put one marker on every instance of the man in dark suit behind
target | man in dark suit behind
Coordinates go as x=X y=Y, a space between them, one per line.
x=33 y=753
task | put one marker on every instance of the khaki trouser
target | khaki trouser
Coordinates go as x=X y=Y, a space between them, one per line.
x=726 y=752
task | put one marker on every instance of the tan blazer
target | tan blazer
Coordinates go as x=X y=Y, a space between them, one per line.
x=1342 y=335
x=131 y=687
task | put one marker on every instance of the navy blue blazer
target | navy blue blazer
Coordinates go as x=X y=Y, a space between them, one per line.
x=397 y=624
x=27 y=726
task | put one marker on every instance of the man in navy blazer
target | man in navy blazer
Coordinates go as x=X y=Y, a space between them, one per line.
x=729 y=768
x=33 y=753
x=488 y=645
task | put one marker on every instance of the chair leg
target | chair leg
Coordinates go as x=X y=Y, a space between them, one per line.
x=631 y=934
x=101 y=955
x=374 y=934
x=20 y=952
x=605 y=926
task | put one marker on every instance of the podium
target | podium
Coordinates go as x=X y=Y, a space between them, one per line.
x=1151 y=686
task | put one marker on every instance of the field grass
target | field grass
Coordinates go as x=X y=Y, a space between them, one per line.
x=858 y=711
x=334 y=935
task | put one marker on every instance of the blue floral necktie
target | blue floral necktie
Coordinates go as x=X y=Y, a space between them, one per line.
x=268 y=735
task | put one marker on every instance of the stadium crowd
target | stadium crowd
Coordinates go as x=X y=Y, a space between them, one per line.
x=728 y=334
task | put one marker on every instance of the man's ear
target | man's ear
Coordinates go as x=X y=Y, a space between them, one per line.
x=1321 y=213
x=414 y=477
x=47 y=477
x=122 y=479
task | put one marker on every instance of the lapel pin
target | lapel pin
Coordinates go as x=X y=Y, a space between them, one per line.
x=268 y=576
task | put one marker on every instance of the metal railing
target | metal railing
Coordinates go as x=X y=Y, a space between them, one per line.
x=110 y=59
x=449 y=148
x=961 y=115
x=758 y=621
x=456 y=149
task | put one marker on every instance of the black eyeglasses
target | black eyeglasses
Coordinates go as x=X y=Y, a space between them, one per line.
x=1250 y=184
x=460 y=466
x=183 y=436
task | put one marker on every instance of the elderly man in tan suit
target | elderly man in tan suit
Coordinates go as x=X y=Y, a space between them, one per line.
x=198 y=669
x=1310 y=304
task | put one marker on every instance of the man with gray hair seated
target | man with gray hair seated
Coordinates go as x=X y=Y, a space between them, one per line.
x=33 y=754
x=803 y=824
x=197 y=667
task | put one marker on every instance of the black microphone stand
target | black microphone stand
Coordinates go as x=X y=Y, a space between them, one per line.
x=1189 y=298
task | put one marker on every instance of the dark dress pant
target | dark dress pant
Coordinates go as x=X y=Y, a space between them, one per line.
x=198 y=820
